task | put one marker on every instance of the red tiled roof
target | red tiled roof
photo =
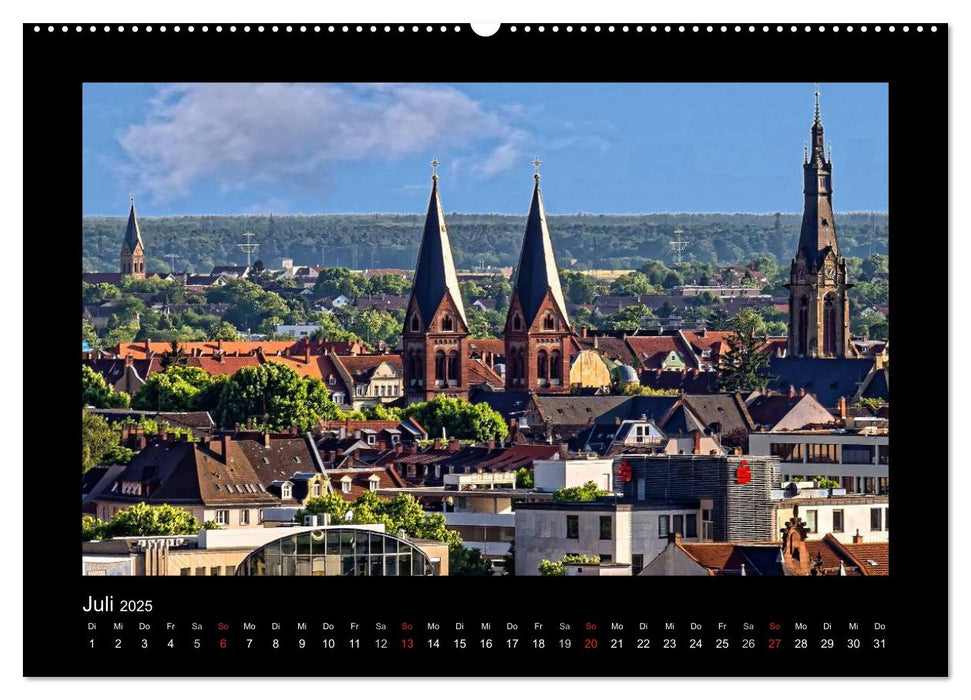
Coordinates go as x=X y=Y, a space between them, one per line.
x=651 y=350
x=482 y=374
x=867 y=552
x=360 y=480
x=267 y=347
x=361 y=366
x=517 y=456
x=481 y=345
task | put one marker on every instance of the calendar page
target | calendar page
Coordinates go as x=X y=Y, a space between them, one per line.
x=396 y=339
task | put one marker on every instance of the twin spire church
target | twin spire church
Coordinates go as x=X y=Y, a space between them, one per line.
x=536 y=339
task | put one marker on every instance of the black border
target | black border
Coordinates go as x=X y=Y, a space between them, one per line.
x=912 y=602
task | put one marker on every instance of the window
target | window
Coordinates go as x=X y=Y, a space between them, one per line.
x=214 y=571
x=606 y=558
x=606 y=527
x=869 y=484
x=517 y=322
x=886 y=518
x=222 y=518
x=787 y=452
x=373 y=483
x=446 y=323
x=883 y=485
x=229 y=570
x=876 y=519
x=414 y=322
x=286 y=490
x=542 y=365
x=641 y=489
x=572 y=527
x=332 y=381
x=200 y=571
x=678 y=524
x=637 y=564
x=884 y=454
x=691 y=525
x=185 y=572
x=555 y=365
x=662 y=525
x=370 y=439
x=857 y=454
x=318 y=488
x=549 y=323
x=346 y=485
x=811 y=518
x=244 y=517
x=822 y=453
x=438 y=471
x=838 y=520
x=706 y=524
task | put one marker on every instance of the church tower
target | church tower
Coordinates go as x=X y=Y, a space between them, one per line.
x=819 y=309
x=537 y=333
x=434 y=353
x=132 y=248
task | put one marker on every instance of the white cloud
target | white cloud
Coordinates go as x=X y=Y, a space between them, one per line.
x=234 y=136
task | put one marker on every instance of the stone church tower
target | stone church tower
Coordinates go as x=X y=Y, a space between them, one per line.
x=537 y=333
x=434 y=352
x=819 y=309
x=132 y=248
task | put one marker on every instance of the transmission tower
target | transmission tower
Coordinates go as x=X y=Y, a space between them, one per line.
x=172 y=257
x=249 y=247
x=678 y=244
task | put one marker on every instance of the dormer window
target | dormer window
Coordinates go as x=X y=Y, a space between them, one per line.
x=286 y=491
x=318 y=489
x=346 y=484
x=447 y=323
x=370 y=439
x=373 y=482
x=332 y=380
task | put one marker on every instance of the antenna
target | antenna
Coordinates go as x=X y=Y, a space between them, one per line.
x=248 y=247
x=678 y=244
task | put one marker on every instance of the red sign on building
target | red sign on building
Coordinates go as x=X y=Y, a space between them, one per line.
x=623 y=471
x=743 y=474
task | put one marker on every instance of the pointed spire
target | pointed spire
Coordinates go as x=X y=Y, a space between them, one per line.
x=536 y=272
x=133 y=235
x=817 y=119
x=435 y=271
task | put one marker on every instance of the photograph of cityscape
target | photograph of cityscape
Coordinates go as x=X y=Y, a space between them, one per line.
x=485 y=329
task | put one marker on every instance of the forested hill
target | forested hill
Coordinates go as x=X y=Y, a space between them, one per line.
x=391 y=240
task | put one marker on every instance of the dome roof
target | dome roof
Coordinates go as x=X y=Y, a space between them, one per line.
x=628 y=374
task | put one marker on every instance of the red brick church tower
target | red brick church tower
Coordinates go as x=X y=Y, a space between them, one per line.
x=132 y=248
x=434 y=353
x=819 y=308
x=537 y=333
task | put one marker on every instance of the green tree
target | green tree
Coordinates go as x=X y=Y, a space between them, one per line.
x=525 y=478
x=374 y=326
x=330 y=328
x=467 y=561
x=388 y=284
x=223 y=330
x=249 y=304
x=274 y=394
x=874 y=265
x=92 y=528
x=381 y=412
x=588 y=492
x=743 y=368
x=95 y=391
x=628 y=318
x=578 y=287
x=509 y=561
x=142 y=519
x=99 y=293
x=88 y=334
x=484 y=324
x=97 y=440
x=117 y=455
x=460 y=419
x=557 y=568
x=632 y=284
x=175 y=389
x=334 y=281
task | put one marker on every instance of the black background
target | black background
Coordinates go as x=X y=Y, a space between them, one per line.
x=912 y=602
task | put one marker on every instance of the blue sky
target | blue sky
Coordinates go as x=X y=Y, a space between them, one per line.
x=606 y=148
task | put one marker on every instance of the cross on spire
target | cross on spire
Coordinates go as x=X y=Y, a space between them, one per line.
x=536 y=163
x=816 y=94
x=435 y=165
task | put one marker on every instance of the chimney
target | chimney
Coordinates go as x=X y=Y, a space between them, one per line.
x=491 y=444
x=513 y=428
x=857 y=538
x=219 y=344
x=792 y=391
x=306 y=351
x=413 y=449
x=237 y=429
x=596 y=342
x=163 y=432
x=454 y=445
x=293 y=428
x=583 y=332
x=841 y=404
x=704 y=332
x=129 y=360
x=148 y=347
x=142 y=442
x=224 y=439
x=696 y=446
x=564 y=452
x=737 y=452
x=266 y=439
x=437 y=444
x=398 y=449
x=802 y=392
x=331 y=456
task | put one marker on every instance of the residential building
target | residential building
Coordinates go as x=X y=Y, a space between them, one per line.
x=859 y=460
x=228 y=478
